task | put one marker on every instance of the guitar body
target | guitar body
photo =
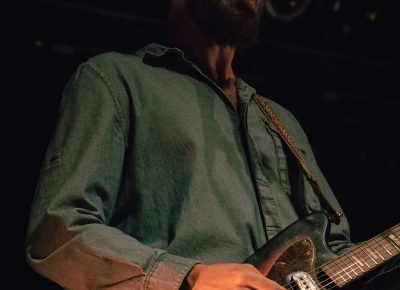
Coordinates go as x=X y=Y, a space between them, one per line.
x=299 y=257
x=301 y=247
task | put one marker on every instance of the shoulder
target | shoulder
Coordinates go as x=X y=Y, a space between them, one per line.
x=113 y=58
x=111 y=69
x=110 y=63
x=108 y=79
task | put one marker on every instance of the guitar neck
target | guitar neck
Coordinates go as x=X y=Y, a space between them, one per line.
x=364 y=258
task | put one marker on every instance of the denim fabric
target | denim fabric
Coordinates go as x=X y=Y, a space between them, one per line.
x=151 y=170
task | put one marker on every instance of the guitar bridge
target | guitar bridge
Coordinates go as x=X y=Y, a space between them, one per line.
x=302 y=280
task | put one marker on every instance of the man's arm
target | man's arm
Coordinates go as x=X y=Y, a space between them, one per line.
x=69 y=240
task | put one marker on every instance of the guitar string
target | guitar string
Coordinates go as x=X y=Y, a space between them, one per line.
x=370 y=243
x=374 y=241
x=352 y=265
x=344 y=270
x=331 y=279
x=315 y=272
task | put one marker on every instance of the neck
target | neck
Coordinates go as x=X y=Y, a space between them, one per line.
x=214 y=59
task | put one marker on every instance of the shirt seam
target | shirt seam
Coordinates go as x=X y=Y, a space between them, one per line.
x=102 y=77
x=180 y=276
x=148 y=276
x=271 y=133
x=273 y=138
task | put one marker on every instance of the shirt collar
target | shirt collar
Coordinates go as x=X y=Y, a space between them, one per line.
x=173 y=58
x=155 y=50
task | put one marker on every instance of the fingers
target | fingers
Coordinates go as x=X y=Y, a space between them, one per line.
x=229 y=276
x=253 y=279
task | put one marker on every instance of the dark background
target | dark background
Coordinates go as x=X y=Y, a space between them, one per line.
x=335 y=67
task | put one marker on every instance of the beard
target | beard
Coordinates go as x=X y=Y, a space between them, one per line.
x=231 y=22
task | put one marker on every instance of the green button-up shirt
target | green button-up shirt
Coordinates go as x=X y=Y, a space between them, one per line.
x=151 y=170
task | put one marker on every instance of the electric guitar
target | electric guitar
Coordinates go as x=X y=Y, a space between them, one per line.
x=299 y=257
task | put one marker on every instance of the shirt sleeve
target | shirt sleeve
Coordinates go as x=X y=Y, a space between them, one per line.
x=69 y=240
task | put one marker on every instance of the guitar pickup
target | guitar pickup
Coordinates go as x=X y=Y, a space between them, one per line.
x=302 y=280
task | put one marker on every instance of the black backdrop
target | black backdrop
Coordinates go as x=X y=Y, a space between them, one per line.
x=334 y=67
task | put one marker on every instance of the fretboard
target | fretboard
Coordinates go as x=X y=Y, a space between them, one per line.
x=365 y=257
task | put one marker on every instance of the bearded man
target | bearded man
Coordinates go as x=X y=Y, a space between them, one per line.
x=163 y=173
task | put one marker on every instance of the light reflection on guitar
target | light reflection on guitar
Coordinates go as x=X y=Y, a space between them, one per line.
x=299 y=257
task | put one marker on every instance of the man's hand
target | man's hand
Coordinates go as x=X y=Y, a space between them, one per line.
x=229 y=277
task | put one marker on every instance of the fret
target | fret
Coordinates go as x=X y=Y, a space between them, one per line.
x=333 y=271
x=364 y=258
x=361 y=263
x=338 y=271
x=373 y=252
x=394 y=239
x=379 y=241
x=352 y=269
x=342 y=270
x=370 y=255
x=347 y=269
x=389 y=245
x=363 y=255
x=383 y=247
x=353 y=264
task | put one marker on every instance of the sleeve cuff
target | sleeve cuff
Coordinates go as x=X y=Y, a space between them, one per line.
x=168 y=272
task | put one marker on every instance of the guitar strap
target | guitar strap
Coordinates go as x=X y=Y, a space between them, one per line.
x=334 y=215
